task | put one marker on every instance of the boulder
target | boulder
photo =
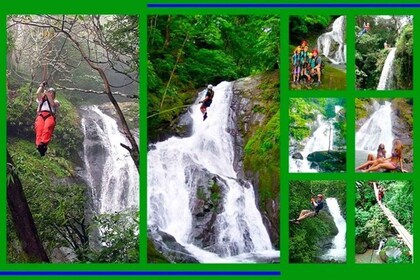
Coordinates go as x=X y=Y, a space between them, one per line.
x=167 y=245
x=329 y=161
x=297 y=156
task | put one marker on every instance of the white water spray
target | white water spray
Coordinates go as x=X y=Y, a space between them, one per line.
x=110 y=172
x=171 y=192
x=321 y=140
x=386 y=79
x=332 y=44
x=376 y=130
x=338 y=250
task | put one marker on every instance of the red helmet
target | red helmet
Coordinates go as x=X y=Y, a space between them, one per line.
x=315 y=52
x=304 y=43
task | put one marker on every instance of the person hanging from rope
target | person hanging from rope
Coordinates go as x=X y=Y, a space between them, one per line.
x=207 y=101
x=317 y=205
x=366 y=27
x=45 y=119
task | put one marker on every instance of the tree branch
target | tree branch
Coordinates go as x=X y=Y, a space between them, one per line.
x=97 y=91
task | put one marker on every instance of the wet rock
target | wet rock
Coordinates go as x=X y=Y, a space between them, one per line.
x=329 y=161
x=297 y=156
x=167 y=245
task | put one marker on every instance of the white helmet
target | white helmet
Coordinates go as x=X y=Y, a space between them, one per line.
x=210 y=86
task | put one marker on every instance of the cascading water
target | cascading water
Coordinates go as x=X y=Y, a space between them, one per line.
x=376 y=130
x=331 y=44
x=171 y=190
x=338 y=250
x=320 y=140
x=110 y=172
x=386 y=79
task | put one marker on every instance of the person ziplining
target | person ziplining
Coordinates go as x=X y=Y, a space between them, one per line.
x=206 y=101
x=365 y=29
x=45 y=119
x=317 y=206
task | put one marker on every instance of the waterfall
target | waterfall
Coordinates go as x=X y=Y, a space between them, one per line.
x=376 y=130
x=109 y=170
x=338 y=250
x=321 y=140
x=175 y=165
x=331 y=44
x=386 y=79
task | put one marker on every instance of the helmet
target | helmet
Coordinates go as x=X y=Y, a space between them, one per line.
x=315 y=52
x=210 y=86
x=320 y=195
x=51 y=89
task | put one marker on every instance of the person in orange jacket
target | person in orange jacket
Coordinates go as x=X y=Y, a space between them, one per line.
x=45 y=119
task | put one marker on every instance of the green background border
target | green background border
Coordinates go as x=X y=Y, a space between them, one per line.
x=290 y=271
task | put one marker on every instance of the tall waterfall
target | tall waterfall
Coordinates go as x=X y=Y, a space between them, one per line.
x=321 y=140
x=110 y=172
x=332 y=44
x=386 y=79
x=175 y=163
x=376 y=130
x=338 y=250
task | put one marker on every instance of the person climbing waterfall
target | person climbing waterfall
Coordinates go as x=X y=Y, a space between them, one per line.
x=317 y=205
x=366 y=27
x=207 y=101
x=45 y=119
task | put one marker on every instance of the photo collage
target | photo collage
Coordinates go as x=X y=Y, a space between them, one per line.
x=155 y=139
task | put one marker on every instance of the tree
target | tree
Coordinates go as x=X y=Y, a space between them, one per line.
x=101 y=45
x=22 y=217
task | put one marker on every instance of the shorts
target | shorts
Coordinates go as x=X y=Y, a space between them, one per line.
x=206 y=103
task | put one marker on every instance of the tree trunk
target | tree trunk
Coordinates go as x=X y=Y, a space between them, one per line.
x=22 y=217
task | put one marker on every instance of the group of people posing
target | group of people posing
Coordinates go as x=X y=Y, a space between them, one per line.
x=307 y=65
x=381 y=161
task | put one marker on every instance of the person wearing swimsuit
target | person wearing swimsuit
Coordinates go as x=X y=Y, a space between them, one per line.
x=371 y=161
x=392 y=163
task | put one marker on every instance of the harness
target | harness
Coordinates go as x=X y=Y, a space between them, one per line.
x=45 y=114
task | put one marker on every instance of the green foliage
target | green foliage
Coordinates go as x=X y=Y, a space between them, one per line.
x=119 y=238
x=370 y=53
x=303 y=113
x=56 y=204
x=404 y=59
x=371 y=223
x=189 y=52
x=21 y=113
x=262 y=153
x=122 y=37
x=308 y=26
x=399 y=199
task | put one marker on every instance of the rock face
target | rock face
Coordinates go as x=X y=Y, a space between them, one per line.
x=328 y=161
x=207 y=194
x=247 y=116
x=167 y=245
x=403 y=131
